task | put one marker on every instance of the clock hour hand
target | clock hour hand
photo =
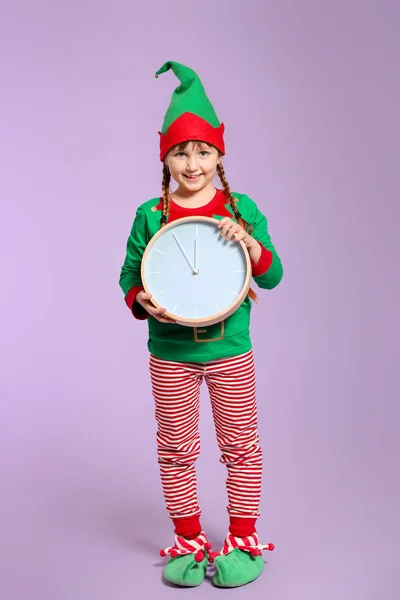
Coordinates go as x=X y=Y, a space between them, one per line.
x=196 y=270
x=184 y=253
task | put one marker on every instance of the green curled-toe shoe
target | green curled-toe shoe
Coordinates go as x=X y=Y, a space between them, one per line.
x=240 y=561
x=188 y=561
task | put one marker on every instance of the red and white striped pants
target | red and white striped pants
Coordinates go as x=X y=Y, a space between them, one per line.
x=176 y=390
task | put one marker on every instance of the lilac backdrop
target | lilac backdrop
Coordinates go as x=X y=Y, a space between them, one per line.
x=309 y=93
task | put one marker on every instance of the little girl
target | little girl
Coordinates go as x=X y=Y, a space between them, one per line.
x=191 y=149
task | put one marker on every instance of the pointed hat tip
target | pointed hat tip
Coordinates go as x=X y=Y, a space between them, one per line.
x=166 y=67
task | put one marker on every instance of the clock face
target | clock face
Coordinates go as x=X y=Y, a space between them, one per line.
x=197 y=275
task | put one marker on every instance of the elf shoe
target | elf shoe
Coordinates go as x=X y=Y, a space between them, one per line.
x=188 y=561
x=239 y=562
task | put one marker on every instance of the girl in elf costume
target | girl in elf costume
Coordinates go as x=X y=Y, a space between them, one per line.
x=191 y=149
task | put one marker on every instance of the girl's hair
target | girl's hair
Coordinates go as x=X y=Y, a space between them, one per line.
x=166 y=180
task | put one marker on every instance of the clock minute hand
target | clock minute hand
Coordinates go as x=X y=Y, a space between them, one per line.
x=184 y=253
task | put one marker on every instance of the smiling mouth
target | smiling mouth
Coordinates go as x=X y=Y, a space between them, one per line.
x=193 y=177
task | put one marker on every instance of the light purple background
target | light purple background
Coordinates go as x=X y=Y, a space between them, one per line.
x=309 y=93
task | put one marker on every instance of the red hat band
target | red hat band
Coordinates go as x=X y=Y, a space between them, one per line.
x=190 y=127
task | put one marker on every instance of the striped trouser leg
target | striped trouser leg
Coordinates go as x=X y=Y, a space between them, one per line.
x=232 y=387
x=176 y=391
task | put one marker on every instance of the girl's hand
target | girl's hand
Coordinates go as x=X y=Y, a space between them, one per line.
x=233 y=231
x=143 y=298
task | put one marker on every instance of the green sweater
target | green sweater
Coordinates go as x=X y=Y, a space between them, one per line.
x=232 y=336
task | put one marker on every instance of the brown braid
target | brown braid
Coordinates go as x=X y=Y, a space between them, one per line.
x=228 y=194
x=165 y=194
x=246 y=226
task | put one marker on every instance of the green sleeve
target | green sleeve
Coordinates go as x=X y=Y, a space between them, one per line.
x=259 y=223
x=130 y=273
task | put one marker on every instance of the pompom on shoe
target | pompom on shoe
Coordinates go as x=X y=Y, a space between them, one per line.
x=187 y=565
x=240 y=561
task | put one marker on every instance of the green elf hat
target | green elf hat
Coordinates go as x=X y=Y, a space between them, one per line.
x=190 y=115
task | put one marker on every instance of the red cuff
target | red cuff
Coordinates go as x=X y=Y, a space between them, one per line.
x=137 y=310
x=187 y=526
x=242 y=526
x=264 y=263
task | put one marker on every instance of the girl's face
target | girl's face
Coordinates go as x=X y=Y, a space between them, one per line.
x=193 y=165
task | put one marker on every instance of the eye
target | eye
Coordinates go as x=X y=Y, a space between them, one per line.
x=204 y=153
x=180 y=154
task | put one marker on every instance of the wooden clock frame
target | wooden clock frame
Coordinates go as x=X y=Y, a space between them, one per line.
x=217 y=317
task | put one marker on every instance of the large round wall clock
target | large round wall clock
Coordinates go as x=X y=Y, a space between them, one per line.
x=197 y=275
